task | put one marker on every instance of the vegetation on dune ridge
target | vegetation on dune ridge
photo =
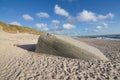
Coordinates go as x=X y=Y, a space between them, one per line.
x=18 y=29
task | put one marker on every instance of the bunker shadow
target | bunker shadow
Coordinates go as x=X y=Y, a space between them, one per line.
x=28 y=47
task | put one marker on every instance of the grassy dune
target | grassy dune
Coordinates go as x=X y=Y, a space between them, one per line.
x=18 y=29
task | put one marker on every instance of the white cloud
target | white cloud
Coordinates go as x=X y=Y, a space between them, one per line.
x=42 y=26
x=43 y=14
x=27 y=17
x=58 y=10
x=71 y=19
x=87 y=16
x=105 y=25
x=45 y=29
x=108 y=16
x=16 y=23
x=55 y=28
x=102 y=17
x=68 y=26
x=98 y=29
x=55 y=21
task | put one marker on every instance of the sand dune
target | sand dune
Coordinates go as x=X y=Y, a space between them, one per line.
x=18 y=61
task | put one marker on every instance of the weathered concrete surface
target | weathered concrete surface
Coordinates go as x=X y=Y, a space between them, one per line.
x=67 y=47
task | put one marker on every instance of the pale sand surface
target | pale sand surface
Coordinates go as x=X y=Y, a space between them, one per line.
x=21 y=63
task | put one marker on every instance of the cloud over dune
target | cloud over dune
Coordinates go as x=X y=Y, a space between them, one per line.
x=16 y=23
x=42 y=26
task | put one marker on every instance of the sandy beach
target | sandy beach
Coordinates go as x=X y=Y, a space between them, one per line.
x=18 y=61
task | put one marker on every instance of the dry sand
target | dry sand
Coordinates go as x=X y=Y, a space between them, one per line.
x=18 y=61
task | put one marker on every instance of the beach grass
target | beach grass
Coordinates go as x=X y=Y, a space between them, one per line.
x=19 y=29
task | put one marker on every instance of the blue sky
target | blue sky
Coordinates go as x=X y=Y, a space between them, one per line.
x=67 y=17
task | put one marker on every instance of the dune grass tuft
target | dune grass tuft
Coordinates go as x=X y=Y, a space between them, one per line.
x=18 y=29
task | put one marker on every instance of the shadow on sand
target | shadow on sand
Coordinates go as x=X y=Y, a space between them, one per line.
x=29 y=47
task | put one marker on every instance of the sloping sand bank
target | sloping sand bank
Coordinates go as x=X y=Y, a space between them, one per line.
x=19 y=62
